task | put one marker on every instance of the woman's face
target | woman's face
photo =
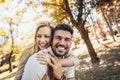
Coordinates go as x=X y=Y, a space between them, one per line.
x=43 y=37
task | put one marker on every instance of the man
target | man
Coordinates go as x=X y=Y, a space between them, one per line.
x=60 y=46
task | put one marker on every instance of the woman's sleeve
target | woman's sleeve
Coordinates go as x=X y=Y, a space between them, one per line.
x=33 y=70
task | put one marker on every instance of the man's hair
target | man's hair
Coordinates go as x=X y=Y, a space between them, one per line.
x=64 y=27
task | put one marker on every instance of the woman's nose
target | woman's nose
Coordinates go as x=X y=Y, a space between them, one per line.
x=42 y=39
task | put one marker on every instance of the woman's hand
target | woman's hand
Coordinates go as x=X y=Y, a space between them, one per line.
x=43 y=57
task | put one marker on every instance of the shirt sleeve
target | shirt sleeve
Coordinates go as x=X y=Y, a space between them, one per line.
x=33 y=69
x=74 y=59
x=70 y=72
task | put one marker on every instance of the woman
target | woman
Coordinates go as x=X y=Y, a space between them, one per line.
x=42 y=41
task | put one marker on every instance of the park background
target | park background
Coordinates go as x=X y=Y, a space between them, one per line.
x=96 y=39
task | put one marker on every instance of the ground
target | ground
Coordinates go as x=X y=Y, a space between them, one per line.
x=109 y=68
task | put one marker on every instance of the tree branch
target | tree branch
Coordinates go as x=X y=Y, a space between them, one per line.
x=80 y=11
x=67 y=9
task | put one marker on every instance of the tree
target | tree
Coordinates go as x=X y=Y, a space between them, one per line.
x=2 y=1
x=76 y=11
x=19 y=12
x=109 y=8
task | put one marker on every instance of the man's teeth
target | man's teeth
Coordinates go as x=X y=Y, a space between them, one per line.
x=61 y=48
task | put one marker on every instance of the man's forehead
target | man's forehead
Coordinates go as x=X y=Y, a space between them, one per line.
x=62 y=33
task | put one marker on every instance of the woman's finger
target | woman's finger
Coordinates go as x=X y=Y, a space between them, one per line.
x=39 y=55
x=40 y=59
x=43 y=62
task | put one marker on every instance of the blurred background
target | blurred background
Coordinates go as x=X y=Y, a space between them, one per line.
x=96 y=39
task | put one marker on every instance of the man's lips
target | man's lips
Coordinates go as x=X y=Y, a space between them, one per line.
x=60 y=48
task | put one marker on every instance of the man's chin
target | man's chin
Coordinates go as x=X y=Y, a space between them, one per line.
x=61 y=53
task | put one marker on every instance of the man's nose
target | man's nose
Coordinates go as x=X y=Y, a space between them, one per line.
x=62 y=42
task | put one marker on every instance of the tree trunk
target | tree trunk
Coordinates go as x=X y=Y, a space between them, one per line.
x=115 y=20
x=80 y=26
x=108 y=24
x=94 y=29
x=115 y=15
x=10 y=62
x=102 y=33
x=92 y=53
x=11 y=53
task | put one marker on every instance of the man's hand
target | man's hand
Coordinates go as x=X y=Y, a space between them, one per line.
x=57 y=67
x=54 y=62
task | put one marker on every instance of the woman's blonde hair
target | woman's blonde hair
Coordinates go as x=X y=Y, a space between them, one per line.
x=33 y=48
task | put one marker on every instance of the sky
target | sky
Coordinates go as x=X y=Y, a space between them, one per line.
x=22 y=18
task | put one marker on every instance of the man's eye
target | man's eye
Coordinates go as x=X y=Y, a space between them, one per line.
x=67 y=39
x=58 y=38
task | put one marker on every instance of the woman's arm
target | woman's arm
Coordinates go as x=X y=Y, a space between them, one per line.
x=70 y=60
x=66 y=62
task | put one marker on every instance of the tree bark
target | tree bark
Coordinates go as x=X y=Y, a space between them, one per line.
x=84 y=34
x=11 y=53
x=92 y=53
x=94 y=29
x=108 y=23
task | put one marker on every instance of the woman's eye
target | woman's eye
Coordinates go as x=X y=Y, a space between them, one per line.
x=39 y=36
x=47 y=36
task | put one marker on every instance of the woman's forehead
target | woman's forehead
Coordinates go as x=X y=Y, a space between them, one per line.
x=43 y=30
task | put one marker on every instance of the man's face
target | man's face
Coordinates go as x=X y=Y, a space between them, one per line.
x=61 y=42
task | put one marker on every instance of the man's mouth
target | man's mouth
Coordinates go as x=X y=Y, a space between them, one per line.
x=60 y=48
